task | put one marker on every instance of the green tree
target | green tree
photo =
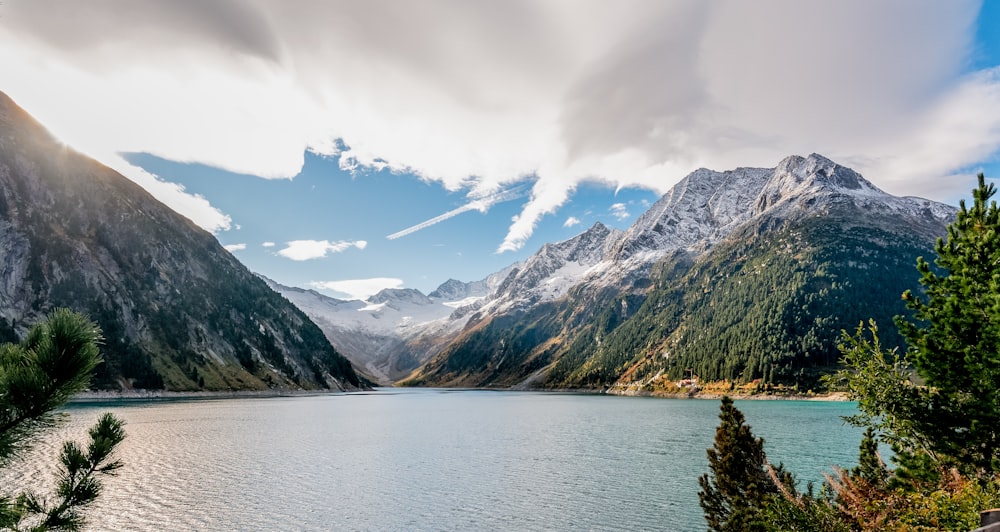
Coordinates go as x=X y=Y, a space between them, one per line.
x=938 y=404
x=954 y=339
x=880 y=380
x=37 y=376
x=735 y=491
x=871 y=467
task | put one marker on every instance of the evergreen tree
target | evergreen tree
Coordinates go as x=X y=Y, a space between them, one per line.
x=735 y=492
x=949 y=416
x=954 y=342
x=38 y=376
x=870 y=466
x=937 y=403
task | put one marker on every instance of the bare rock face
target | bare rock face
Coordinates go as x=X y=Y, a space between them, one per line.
x=177 y=310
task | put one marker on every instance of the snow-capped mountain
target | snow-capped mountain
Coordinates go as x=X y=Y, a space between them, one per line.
x=395 y=330
x=455 y=290
x=539 y=320
x=548 y=274
x=698 y=211
x=800 y=184
x=803 y=201
x=702 y=209
x=708 y=206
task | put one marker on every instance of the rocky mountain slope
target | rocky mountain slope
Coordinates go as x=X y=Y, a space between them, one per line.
x=177 y=310
x=743 y=275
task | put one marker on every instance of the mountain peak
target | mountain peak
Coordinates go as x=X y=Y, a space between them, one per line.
x=818 y=170
x=450 y=289
x=408 y=295
x=698 y=209
x=455 y=290
x=559 y=264
x=796 y=178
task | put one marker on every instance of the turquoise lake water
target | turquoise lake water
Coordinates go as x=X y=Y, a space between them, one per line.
x=417 y=459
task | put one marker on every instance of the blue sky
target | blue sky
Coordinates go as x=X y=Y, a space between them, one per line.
x=327 y=203
x=305 y=134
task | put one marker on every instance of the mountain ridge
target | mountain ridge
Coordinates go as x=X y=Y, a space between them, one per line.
x=543 y=321
x=752 y=209
x=177 y=310
x=391 y=333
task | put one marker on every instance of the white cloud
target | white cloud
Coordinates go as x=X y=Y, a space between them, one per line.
x=481 y=204
x=635 y=93
x=956 y=127
x=267 y=244
x=571 y=221
x=193 y=206
x=301 y=250
x=546 y=197
x=235 y=247
x=619 y=211
x=358 y=288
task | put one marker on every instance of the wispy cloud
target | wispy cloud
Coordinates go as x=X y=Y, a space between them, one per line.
x=480 y=204
x=619 y=211
x=358 y=288
x=316 y=249
x=267 y=244
x=546 y=197
x=235 y=247
x=571 y=221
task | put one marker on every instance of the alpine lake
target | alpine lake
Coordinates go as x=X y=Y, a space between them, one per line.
x=428 y=459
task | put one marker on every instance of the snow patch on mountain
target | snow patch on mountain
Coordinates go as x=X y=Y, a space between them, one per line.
x=374 y=333
x=556 y=267
x=701 y=210
x=802 y=183
x=467 y=302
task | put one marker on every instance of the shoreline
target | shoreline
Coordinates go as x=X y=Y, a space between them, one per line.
x=98 y=396
x=830 y=397
x=716 y=395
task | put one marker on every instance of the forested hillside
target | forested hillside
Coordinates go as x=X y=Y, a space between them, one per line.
x=770 y=308
x=786 y=259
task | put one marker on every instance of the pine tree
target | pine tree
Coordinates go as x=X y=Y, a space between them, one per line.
x=954 y=342
x=38 y=376
x=737 y=488
x=870 y=466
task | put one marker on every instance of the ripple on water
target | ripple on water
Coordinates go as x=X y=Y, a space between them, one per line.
x=424 y=460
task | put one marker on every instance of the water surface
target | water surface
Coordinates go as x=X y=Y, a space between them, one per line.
x=435 y=460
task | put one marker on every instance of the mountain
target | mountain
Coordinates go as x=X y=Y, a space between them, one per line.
x=177 y=310
x=397 y=330
x=742 y=275
x=548 y=274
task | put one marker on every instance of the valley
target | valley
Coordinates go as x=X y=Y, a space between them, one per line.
x=746 y=276
x=739 y=277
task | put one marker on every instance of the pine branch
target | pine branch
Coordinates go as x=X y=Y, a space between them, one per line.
x=79 y=485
